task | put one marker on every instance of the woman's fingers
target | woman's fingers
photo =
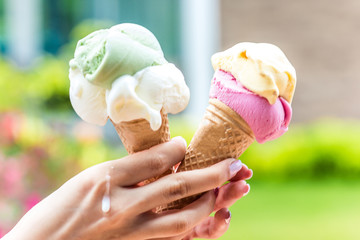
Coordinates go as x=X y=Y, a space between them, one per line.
x=230 y=193
x=183 y=184
x=177 y=222
x=143 y=165
x=212 y=227
x=235 y=189
x=244 y=174
x=209 y=228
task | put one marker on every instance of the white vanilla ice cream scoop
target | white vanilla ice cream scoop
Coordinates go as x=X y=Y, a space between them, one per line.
x=120 y=73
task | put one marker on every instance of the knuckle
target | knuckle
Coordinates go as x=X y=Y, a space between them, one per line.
x=123 y=210
x=216 y=178
x=157 y=162
x=87 y=187
x=177 y=189
x=86 y=182
x=121 y=214
x=123 y=175
x=181 y=225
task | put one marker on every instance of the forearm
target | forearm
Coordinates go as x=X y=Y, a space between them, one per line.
x=39 y=223
x=52 y=218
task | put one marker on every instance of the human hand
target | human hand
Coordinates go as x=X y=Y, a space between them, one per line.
x=74 y=211
x=228 y=194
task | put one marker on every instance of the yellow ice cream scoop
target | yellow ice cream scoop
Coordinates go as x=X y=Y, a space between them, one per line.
x=261 y=67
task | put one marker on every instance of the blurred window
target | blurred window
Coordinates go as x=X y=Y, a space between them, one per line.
x=2 y=27
x=159 y=16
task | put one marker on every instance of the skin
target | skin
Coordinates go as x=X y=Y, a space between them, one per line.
x=74 y=210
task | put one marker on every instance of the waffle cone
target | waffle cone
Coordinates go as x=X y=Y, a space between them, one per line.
x=222 y=134
x=137 y=135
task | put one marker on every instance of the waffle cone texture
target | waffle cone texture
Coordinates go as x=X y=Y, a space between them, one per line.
x=137 y=135
x=222 y=134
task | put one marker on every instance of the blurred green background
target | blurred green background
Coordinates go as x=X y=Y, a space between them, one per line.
x=306 y=184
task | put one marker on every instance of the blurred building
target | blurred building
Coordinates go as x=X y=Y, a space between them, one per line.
x=320 y=38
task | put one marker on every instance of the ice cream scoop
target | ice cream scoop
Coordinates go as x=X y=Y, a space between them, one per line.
x=267 y=121
x=124 y=49
x=121 y=73
x=146 y=93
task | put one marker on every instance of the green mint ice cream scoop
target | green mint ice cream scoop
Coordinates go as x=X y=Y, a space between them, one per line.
x=124 y=49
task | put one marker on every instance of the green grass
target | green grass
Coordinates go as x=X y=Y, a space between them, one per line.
x=297 y=210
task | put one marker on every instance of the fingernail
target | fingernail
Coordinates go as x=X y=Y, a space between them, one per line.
x=235 y=168
x=251 y=171
x=247 y=190
x=228 y=217
x=216 y=192
x=180 y=139
x=250 y=174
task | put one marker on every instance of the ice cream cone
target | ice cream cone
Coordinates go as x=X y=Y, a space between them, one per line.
x=137 y=135
x=222 y=134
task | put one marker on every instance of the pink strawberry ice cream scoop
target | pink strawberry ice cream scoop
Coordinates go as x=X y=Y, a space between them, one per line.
x=267 y=121
x=257 y=81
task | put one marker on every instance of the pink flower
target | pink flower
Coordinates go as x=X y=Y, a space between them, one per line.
x=12 y=178
x=31 y=201
x=9 y=124
x=3 y=231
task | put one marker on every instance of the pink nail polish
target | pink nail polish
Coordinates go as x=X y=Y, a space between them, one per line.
x=250 y=174
x=235 y=168
x=216 y=192
x=228 y=217
x=247 y=190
